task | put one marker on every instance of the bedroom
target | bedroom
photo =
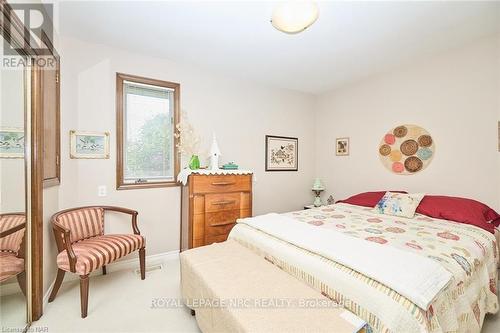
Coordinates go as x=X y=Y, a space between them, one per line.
x=334 y=93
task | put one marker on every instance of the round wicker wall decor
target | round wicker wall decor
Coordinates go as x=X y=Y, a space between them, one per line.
x=406 y=149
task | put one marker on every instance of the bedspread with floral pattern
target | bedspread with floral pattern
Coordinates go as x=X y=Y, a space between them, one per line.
x=466 y=251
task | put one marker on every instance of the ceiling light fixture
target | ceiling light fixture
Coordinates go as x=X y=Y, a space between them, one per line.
x=293 y=17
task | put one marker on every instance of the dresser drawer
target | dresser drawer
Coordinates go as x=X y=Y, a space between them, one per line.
x=219 y=230
x=221 y=184
x=215 y=239
x=221 y=218
x=224 y=201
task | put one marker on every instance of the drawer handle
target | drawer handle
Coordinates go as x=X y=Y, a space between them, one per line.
x=223 y=183
x=223 y=202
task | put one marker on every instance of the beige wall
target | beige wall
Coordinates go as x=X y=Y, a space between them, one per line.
x=240 y=113
x=455 y=96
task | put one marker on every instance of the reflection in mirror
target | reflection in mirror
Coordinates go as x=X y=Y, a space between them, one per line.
x=12 y=200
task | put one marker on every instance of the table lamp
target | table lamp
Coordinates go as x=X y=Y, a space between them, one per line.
x=317 y=189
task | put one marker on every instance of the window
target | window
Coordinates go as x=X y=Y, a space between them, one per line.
x=147 y=113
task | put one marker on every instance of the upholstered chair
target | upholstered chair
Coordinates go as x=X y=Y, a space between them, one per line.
x=83 y=247
x=12 y=227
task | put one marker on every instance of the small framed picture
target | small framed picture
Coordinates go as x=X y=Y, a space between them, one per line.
x=11 y=142
x=282 y=153
x=91 y=145
x=342 y=147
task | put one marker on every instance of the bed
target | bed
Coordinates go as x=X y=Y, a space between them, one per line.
x=467 y=253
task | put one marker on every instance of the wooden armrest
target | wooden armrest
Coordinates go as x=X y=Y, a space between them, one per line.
x=132 y=212
x=120 y=210
x=63 y=240
x=12 y=230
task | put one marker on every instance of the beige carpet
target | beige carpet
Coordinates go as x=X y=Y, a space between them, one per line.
x=13 y=312
x=121 y=302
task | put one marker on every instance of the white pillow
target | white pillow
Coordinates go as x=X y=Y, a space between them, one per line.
x=399 y=204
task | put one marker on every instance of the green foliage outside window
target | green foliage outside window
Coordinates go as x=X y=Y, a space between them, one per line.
x=150 y=155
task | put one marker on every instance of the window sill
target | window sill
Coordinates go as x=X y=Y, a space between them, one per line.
x=146 y=185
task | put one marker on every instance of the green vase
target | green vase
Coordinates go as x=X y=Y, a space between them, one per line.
x=194 y=163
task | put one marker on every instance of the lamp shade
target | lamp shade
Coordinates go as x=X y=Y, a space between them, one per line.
x=318 y=185
x=294 y=16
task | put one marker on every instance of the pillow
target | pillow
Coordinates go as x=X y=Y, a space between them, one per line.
x=398 y=204
x=366 y=199
x=460 y=210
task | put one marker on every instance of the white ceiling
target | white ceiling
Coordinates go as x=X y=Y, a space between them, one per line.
x=349 y=41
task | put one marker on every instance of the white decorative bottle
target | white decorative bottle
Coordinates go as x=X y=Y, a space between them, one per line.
x=214 y=154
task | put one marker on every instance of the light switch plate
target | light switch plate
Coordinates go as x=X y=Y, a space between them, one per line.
x=101 y=191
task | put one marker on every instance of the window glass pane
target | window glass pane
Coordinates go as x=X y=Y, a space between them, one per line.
x=148 y=133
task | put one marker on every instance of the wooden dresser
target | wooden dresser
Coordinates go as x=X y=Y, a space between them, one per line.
x=211 y=204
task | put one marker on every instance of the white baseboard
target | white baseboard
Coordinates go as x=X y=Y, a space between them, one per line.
x=152 y=260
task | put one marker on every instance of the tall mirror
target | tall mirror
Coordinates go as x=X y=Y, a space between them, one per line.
x=14 y=191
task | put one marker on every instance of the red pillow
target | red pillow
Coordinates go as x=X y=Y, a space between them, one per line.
x=460 y=210
x=366 y=199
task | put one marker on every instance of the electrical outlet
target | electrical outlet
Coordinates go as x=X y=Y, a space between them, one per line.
x=101 y=191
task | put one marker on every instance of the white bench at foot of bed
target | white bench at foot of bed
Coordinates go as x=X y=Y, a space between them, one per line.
x=234 y=290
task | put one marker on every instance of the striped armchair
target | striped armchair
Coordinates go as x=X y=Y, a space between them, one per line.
x=12 y=227
x=83 y=247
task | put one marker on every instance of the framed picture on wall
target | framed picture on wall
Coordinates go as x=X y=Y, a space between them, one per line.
x=11 y=142
x=89 y=145
x=342 y=147
x=282 y=153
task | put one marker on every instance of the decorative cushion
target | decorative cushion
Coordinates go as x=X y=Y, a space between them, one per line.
x=10 y=265
x=459 y=210
x=398 y=204
x=83 y=223
x=13 y=241
x=95 y=252
x=366 y=199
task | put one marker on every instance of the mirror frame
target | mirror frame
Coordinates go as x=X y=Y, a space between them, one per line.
x=14 y=31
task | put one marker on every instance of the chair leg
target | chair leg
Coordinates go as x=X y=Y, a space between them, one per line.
x=104 y=270
x=57 y=284
x=21 y=279
x=84 y=294
x=142 y=262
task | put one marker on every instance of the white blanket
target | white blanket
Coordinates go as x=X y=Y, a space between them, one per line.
x=418 y=278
